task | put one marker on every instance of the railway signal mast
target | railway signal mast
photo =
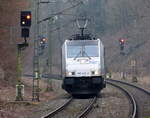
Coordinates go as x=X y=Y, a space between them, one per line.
x=122 y=45
x=36 y=70
x=25 y=23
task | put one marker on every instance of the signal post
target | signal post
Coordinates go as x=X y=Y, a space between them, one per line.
x=25 y=23
x=122 y=52
x=122 y=45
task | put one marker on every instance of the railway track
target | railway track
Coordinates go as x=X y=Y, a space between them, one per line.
x=65 y=105
x=51 y=114
x=132 y=100
x=87 y=110
x=140 y=101
x=140 y=96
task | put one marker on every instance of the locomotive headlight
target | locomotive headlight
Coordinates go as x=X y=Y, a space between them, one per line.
x=83 y=61
x=70 y=73
x=96 y=72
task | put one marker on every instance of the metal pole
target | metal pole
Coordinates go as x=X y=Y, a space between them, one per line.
x=49 y=55
x=36 y=72
x=11 y=35
x=82 y=30
x=19 y=87
x=59 y=38
x=134 y=77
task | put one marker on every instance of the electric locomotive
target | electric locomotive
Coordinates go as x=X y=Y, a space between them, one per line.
x=83 y=68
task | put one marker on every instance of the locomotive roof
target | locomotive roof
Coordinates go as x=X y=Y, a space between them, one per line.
x=80 y=42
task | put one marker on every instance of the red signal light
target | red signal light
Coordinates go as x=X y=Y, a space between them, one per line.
x=122 y=41
x=44 y=39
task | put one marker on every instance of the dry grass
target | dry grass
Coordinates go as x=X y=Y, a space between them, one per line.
x=143 y=81
x=11 y=109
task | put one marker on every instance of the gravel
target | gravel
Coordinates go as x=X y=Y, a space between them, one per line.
x=73 y=109
x=142 y=99
x=112 y=104
x=45 y=107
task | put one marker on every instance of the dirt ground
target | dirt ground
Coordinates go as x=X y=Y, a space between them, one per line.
x=9 y=108
x=143 y=81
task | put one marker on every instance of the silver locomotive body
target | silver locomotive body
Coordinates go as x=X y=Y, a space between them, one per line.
x=83 y=66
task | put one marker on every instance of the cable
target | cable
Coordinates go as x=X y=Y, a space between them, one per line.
x=65 y=25
x=61 y=12
x=147 y=5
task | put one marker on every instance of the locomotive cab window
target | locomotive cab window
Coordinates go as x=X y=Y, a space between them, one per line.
x=92 y=50
x=83 y=50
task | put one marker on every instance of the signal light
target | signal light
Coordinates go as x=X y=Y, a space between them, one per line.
x=43 y=40
x=25 y=18
x=28 y=17
x=122 y=41
x=23 y=22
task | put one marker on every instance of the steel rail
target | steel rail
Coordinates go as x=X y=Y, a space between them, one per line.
x=88 y=109
x=132 y=85
x=49 y=115
x=134 y=113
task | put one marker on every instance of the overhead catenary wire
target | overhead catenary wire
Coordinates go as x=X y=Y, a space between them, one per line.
x=62 y=26
x=148 y=5
x=61 y=12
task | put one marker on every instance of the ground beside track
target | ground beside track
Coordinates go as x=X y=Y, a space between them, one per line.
x=112 y=104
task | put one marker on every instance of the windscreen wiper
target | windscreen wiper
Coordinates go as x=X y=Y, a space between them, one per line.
x=86 y=55
x=77 y=55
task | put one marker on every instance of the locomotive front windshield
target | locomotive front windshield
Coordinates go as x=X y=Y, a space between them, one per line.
x=87 y=50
